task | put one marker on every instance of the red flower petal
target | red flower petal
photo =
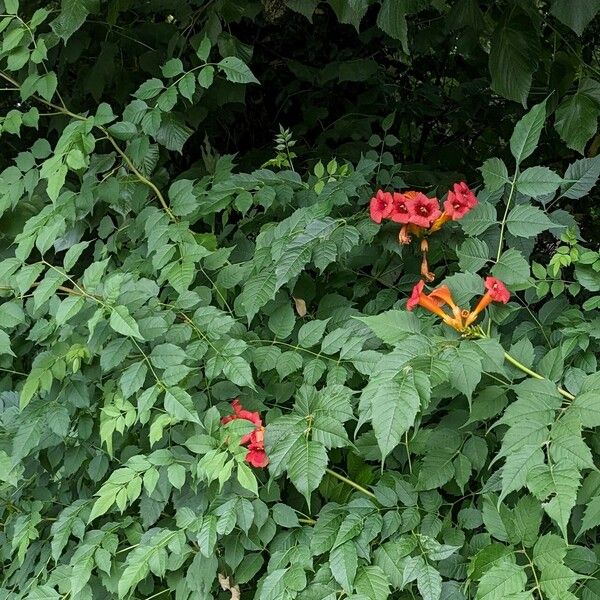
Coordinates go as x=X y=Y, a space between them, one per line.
x=400 y=212
x=423 y=210
x=413 y=301
x=257 y=458
x=497 y=290
x=460 y=201
x=381 y=206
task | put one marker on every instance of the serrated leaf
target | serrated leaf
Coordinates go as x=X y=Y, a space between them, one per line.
x=512 y=268
x=306 y=466
x=393 y=411
x=580 y=177
x=526 y=134
x=538 y=181
x=495 y=174
x=525 y=220
x=236 y=70
x=122 y=322
x=393 y=326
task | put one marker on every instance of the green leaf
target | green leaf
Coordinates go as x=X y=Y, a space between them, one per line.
x=257 y=292
x=167 y=355
x=149 y=89
x=372 y=582
x=392 y=19
x=393 y=326
x=576 y=14
x=68 y=308
x=591 y=517
x=479 y=220
x=343 y=562
x=526 y=134
x=133 y=378
x=238 y=371
x=311 y=333
x=206 y=77
x=351 y=12
x=580 y=177
x=306 y=466
x=5 y=344
x=178 y=403
x=514 y=51
x=495 y=174
x=525 y=220
x=538 y=181
x=577 y=116
x=122 y=322
x=512 y=268
x=503 y=579
x=549 y=550
x=394 y=409
x=73 y=14
x=556 y=580
x=473 y=254
x=429 y=582
x=236 y=70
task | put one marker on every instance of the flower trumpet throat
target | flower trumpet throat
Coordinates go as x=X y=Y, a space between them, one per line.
x=441 y=297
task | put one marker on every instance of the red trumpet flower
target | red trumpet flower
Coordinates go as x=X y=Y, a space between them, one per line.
x=256 y=455
x=495 y=292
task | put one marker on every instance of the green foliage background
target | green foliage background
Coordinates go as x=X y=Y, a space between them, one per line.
x=160 y=257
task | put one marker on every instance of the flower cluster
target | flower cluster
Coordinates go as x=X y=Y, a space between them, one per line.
x=441 y=297
x=420 y=215
x=256 y=455
x=415 y=208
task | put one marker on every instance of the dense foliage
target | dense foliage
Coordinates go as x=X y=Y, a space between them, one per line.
x=161 y=257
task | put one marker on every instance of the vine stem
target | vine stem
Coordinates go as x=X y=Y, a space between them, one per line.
x=503 y=224
x=513 y=361
x=519 y=365
x=351 y=483
x=65 y=111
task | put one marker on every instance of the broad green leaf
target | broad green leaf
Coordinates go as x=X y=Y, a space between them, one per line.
x=525 y=220
x=306 y=466
x=68 y=308
x=73 y=14
x=479 y=220
x=503 y=579
x=538 y=181
x=238 y=371
x=473 y=254
x=495 y=174
x=343 y=562
x=591 y=517
x=178 y=403
x=394 y=410
x=577 y=116
x=122 y=322
x=133 y=378
x=393 y=326
x=392 y=19
x=513 y=59
x=549 y=550
x=580 y=177
x=372 y=582
x=429 y=583
x=512 y=268
x=526 y=134
x=576 y=14
x=236 y=70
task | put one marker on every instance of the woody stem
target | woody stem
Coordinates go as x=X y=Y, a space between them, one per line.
x=355 y=485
